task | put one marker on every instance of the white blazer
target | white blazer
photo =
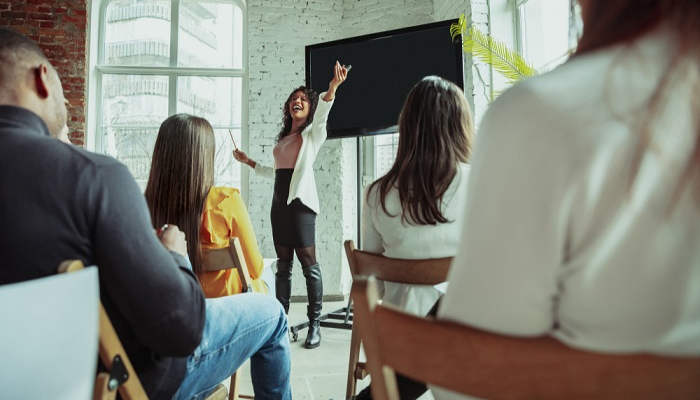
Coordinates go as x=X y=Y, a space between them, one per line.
x=303 y=184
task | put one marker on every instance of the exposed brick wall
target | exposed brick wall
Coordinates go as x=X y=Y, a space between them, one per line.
x=60 y=29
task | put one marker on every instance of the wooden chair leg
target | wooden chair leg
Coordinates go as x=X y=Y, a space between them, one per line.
x=102 y=391
x=354 y=358
x=233 y=387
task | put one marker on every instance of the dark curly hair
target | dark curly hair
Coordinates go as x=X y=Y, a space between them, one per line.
x=287 y=117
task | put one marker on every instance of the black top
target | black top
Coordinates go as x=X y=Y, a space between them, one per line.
x=60 y=202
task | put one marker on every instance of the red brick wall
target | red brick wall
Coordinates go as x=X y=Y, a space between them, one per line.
x=60 y=28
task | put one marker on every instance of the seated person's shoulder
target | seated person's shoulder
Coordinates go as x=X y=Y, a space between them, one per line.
x=224 y=191
x=79 y=163
x=224 y=199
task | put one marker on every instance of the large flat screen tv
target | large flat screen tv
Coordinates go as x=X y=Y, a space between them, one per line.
x=385 y=66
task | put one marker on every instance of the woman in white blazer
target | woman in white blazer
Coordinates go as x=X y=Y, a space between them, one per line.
x=295 y=200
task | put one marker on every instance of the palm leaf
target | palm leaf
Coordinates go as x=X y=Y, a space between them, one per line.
x=507 y=62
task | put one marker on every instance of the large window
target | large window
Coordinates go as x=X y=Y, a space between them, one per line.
x=547 y=31
x=161 y=57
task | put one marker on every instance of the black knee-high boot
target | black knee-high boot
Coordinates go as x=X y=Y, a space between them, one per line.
x=314 y=291
x=283 y=283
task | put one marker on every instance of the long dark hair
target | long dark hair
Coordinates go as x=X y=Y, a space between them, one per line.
x=182 y=173
x=435 y=135
x=608 y=23
x=287 y=117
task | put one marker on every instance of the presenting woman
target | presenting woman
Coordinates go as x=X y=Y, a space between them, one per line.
x=295 y=201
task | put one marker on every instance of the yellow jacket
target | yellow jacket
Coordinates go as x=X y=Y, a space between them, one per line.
x=225 y=216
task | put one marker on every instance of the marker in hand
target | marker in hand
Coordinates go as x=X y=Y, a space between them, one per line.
x=232 y=139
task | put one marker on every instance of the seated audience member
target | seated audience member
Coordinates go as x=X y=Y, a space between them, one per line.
x=61 y=202
x=180 y=190
x=415 y=210
x=583 y=205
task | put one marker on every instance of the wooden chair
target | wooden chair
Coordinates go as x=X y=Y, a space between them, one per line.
x=120 y=375
x=225 y=258
x=474 y=362
x=417 y=272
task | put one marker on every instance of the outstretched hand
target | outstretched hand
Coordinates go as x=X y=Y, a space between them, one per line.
x=340 y=74
x=240 y=156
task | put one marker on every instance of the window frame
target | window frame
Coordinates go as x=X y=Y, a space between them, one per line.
x=172 y=72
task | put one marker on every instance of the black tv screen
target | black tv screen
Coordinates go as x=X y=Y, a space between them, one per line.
x=385 y=66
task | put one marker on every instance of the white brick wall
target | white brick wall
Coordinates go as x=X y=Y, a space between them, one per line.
x=278 y=31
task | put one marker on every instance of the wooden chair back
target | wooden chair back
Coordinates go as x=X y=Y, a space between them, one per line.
x=120 y=373
x=486 y=365
x=226 y=258
x=362 y=263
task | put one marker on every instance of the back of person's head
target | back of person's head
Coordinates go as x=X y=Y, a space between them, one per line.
x=182 y=173
x=608 y=23
x=435 y=135
x=28 y=80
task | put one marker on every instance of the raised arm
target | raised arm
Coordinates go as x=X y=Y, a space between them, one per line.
x=319 y=131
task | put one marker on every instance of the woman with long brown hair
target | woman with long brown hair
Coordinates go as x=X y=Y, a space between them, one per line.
x=583 y=208
x=295 y=200
x=181 y=191
x=415 y=210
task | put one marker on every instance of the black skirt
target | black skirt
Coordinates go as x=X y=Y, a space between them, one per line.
x=293 y=224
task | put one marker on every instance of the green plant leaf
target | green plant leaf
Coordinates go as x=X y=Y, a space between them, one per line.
x=495 y=53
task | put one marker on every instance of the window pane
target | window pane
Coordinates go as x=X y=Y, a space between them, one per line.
x=545 y=34
x=227 y=170
x=385 y=148
x=216 y=99
x=133 y=107
x=138 y=33
x=210 y=34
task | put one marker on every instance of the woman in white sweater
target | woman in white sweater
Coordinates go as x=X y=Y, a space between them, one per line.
x=295 y=200
x=584 y=198
x=415 y=210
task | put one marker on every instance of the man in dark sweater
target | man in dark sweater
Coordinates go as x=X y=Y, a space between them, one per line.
x=60 y=202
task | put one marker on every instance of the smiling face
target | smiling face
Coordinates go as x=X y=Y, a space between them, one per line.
x=299 y=106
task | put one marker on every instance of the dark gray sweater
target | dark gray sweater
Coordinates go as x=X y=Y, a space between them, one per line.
x=60 y=202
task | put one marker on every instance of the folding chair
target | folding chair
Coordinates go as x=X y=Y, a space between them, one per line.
x=417 y=272
x=120 y=375
x=473 y=362
x=225 y=258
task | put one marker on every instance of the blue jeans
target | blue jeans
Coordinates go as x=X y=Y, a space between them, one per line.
x=239 y=327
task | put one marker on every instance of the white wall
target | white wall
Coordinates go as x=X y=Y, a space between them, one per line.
x=278 y=31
